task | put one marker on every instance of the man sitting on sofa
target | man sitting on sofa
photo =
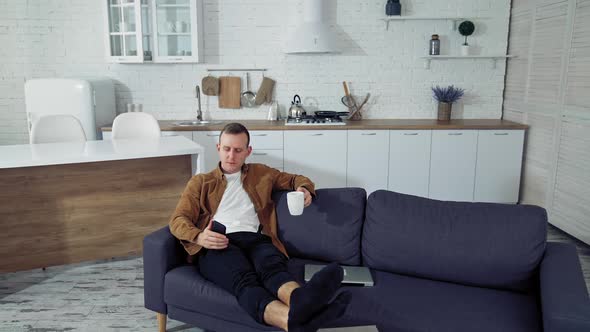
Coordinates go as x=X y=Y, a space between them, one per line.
x=249 y=261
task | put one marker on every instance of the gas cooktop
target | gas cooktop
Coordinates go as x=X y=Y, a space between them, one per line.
x=315 y=120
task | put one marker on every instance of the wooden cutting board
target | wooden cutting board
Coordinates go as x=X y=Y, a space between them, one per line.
x=230 y=88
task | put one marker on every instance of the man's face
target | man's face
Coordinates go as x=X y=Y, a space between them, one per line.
x=233 y=151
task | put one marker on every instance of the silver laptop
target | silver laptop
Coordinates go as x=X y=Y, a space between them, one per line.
x=353 y=275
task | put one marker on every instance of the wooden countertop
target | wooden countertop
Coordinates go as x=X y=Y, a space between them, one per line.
x=399 y=124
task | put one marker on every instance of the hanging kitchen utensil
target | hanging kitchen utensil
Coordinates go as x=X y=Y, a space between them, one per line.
x=248 y=97
x=229 y=91
x=210 y=85
x=264 y=94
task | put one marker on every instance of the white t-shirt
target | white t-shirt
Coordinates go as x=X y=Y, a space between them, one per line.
x=236 y=211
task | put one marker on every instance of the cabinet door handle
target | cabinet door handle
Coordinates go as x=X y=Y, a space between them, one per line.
x=260 y=135
x=317 y=134
x=212 y=135
x=410 y=134
x=369 y=134
x=501 y=134
x=176 y=59
x=455 y=134
x=259 y=154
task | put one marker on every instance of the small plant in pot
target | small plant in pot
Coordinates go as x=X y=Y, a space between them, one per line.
x=466 y=29
x=446 y=96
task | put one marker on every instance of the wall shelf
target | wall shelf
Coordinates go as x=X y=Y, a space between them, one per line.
x=452 y=20
x=493 y=58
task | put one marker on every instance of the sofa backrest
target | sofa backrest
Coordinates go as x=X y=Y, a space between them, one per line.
x=329 y=229
x=481 y=244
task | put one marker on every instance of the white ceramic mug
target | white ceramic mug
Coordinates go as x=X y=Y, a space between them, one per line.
x=295 y=202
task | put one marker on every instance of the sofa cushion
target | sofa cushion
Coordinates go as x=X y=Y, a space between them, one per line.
x=482 y=244
x=329 y=229
x=403 y=303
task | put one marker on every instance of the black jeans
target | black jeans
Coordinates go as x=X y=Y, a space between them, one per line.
x=251 y=268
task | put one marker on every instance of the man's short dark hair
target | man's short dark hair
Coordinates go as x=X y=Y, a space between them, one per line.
x=234 y=128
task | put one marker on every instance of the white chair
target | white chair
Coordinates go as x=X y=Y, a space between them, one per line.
x=135 y=125
x=57 y=128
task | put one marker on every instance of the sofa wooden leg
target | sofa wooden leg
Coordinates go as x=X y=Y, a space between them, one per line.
x=161 y=322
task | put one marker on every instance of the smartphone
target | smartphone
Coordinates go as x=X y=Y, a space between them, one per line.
x=218 y=227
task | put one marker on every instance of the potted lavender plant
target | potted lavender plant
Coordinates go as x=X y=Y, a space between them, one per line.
x=446 y=96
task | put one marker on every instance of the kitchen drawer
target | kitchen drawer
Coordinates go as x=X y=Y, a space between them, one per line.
x=266 y=139
x=272 y=158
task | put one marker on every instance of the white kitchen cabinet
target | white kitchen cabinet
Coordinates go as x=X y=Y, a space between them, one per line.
x=368 y=159
x=127 y=28
x=452 y=165
x=272 y=158
x=409 y=161
x=499 y=162
x=178 y=26
x=318 y=154
x=107 y=135
x=267 y=148
x=209 y=140
x=153 y=30
x=187 y=134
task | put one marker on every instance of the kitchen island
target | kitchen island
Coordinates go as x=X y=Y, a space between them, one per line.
x=62 y=203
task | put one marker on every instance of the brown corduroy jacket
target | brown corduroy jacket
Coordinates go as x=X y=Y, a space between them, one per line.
x=203 y=193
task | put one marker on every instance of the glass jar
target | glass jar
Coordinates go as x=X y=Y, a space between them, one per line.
x=434 y=45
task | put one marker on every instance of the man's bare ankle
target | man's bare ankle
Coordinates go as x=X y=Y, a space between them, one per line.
x=285 y=291
x=276 y=313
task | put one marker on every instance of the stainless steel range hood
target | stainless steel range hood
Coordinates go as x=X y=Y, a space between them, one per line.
x=312 y=34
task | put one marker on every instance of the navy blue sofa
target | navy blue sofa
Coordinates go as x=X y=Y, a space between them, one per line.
x=437 y=266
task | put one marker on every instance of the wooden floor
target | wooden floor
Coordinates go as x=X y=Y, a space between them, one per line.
x=107 y=296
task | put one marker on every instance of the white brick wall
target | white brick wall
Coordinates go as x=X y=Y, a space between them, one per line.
x=54 y=38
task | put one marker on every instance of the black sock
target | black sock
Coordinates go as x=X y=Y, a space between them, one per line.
x=315 y=294
x=331 y=312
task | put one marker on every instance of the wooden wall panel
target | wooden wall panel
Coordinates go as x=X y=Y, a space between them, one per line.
x=571 y=204
x=556 y=107
x=519 y=45
x=52 y=215
x=578 y=74
x=547 y=51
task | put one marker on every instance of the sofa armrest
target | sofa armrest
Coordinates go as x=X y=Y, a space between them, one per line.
x=564 y=296
x=161 y=253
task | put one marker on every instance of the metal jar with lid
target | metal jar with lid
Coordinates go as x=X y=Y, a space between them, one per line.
x=434 y=45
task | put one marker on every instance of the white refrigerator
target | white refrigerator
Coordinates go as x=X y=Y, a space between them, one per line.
x=91 y=100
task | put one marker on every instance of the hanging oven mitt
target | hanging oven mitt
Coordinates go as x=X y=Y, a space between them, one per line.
x=210 y=86
x=264 y=94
